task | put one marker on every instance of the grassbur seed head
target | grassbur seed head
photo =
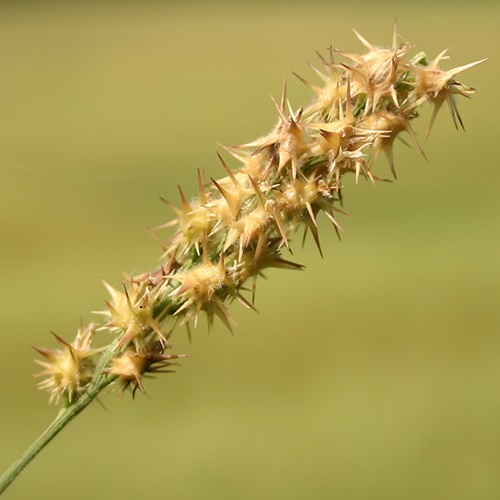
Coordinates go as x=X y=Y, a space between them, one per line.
x=240 y=224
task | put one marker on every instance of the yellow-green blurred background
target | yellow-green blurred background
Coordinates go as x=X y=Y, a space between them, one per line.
x=373 y=374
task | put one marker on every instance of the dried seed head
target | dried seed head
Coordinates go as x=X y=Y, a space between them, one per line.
x=240 y=224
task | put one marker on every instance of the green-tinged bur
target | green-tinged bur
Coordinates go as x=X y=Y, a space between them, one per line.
x=240 y=224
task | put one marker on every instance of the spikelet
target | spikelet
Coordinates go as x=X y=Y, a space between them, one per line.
x=437 y=86
x=131 y=367
x=69 y=369
x=131 y=313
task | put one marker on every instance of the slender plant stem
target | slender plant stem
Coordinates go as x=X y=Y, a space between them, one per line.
x=64 y=417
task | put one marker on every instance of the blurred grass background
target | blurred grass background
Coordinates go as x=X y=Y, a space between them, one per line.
x=373 y=374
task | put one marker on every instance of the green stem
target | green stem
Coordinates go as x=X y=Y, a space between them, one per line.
x=64 y=417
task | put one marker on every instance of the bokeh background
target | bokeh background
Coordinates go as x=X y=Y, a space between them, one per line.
x=374 y=373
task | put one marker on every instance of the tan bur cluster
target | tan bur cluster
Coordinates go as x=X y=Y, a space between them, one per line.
x=239 y=225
